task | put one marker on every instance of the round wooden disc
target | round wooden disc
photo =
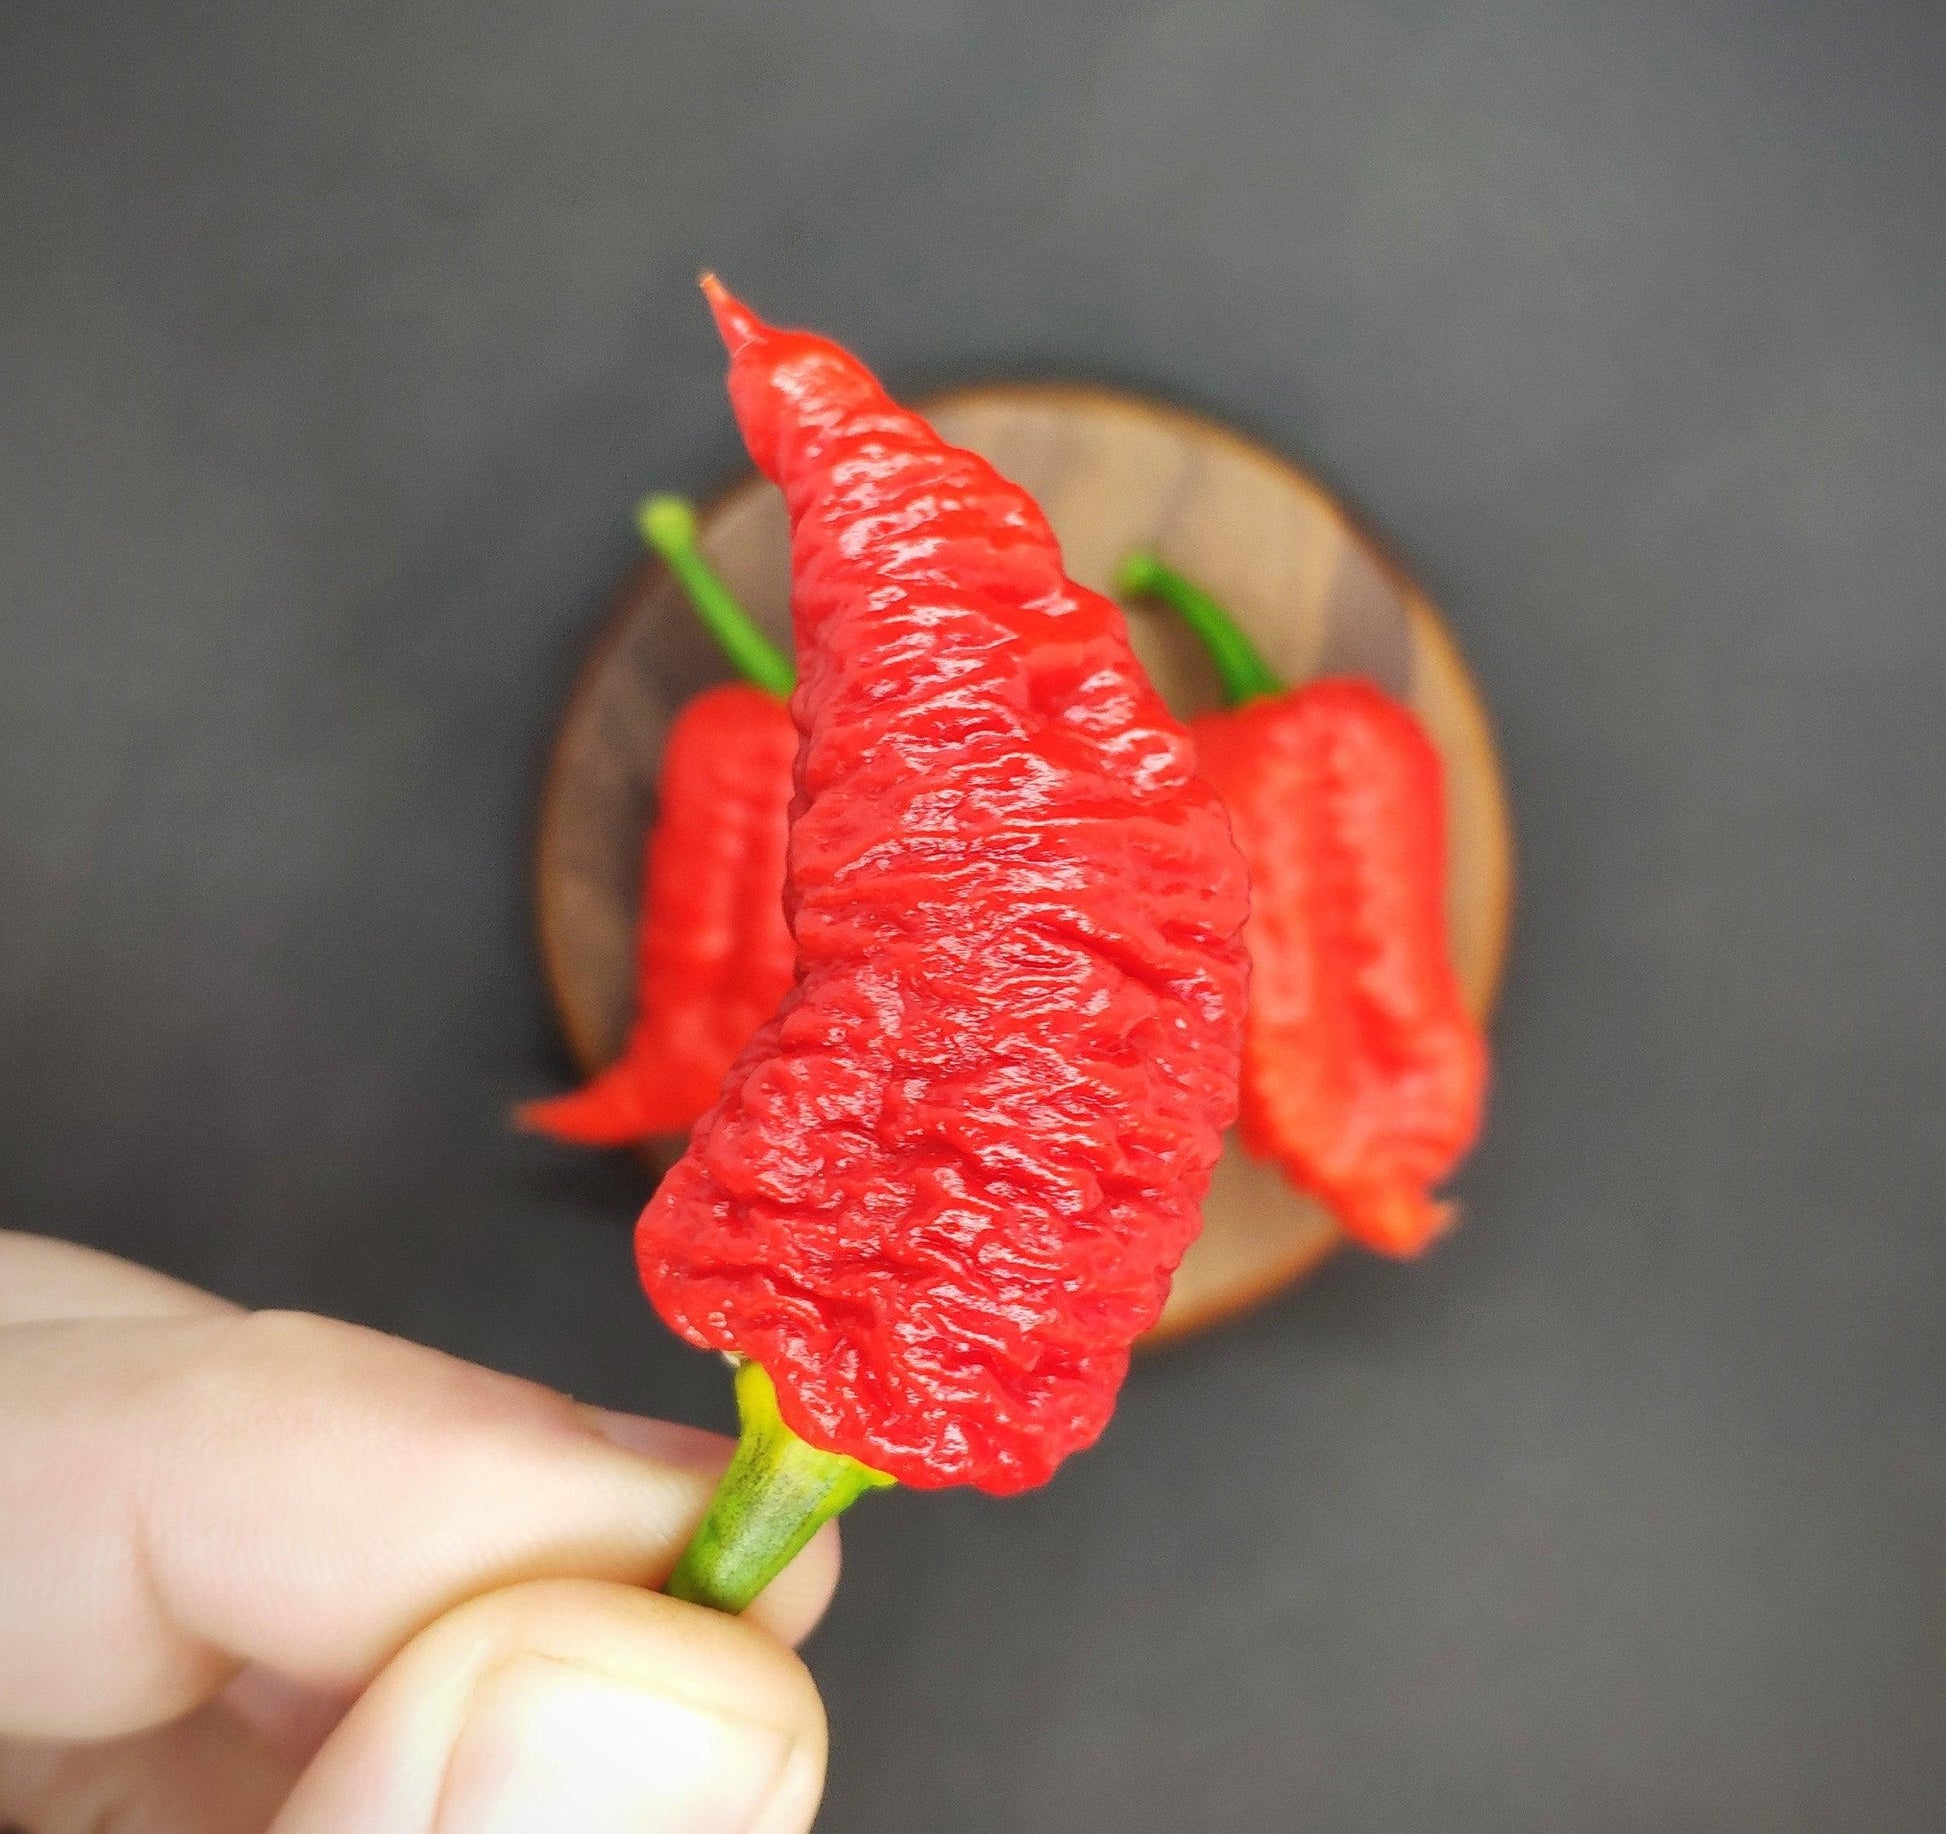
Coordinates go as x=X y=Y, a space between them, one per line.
x=1112 y=472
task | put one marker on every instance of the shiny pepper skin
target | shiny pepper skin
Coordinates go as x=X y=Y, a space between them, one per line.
x=713 y=954
x=1364 y=1075
x=947 y=1184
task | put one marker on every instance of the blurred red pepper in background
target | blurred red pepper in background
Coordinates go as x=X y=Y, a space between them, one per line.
x=1364 y=1075
x=713 y=953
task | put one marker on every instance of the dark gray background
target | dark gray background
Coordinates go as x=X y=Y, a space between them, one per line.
x=337 y=340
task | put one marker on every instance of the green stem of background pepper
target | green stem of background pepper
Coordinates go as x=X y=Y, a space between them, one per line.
x=778 y=1490
x=775 y=1496
x=1244 y=673
x=668 y=525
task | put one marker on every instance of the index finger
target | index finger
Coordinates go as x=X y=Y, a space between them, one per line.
x=181 y=1494
x=42 y=1280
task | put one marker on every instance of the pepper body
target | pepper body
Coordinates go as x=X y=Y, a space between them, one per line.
x=1364 y=1074
x=947 y=1183
x=713 y=953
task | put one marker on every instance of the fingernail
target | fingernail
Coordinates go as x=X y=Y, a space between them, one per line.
x=288 y=1718
x=550 y=1746
x=687 y=1446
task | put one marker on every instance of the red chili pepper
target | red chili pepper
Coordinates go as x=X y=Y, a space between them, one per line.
x=947 y=1184
x=713 y=954
x=1364 y=1075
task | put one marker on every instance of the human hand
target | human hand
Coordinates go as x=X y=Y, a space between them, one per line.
x=276 y=1572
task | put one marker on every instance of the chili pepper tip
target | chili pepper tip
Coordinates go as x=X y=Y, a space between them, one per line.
x=600 y=1113
x=735 y=322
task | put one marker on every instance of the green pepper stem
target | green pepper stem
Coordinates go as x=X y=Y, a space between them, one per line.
x=668 y=525
x=1239 y=666
x=774 y=1497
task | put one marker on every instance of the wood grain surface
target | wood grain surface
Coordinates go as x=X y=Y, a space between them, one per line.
x=1113 y=472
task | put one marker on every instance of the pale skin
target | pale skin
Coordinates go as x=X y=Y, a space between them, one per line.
x=273 y=1572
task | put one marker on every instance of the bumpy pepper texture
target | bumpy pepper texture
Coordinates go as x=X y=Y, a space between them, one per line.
x=713 y=954
x=947 y=1184
x=1363 y=1073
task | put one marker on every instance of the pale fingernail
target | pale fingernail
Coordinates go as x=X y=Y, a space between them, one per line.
x=289 y=1719
x=688 y=1446
x=549 y=1746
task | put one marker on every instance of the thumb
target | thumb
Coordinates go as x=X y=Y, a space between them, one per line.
x=574 y=1704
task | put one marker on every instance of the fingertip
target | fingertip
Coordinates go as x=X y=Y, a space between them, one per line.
x=575 y=1704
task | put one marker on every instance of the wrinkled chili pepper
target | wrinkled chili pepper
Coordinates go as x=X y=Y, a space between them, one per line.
x=713 y=955
x=1364 y=1075
x=947 y=1184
